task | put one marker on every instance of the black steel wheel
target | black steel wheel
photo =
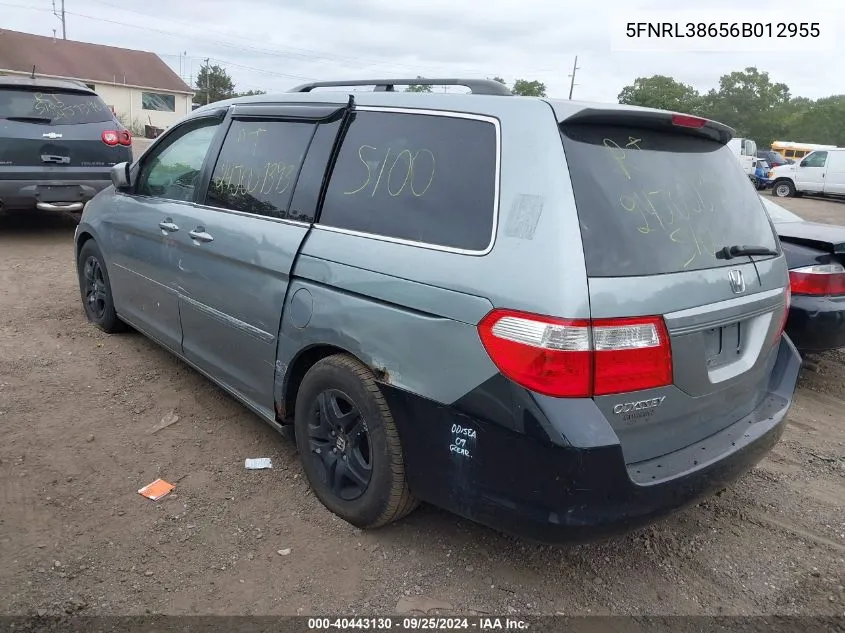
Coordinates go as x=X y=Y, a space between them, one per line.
x=349 y=445
x=95 y=289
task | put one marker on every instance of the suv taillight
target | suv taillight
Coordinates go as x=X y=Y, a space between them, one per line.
x=117 y=137
x=580 y=358
x=819 y=280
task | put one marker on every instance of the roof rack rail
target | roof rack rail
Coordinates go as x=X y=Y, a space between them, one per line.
x=476 y=86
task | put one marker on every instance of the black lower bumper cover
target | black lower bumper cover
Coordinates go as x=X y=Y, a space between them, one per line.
x=816 y=324
x=26 y=194
x=520 y=484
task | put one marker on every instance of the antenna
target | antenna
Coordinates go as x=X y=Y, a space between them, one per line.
x=572 y=83
x=61 y=16
x=33 y=71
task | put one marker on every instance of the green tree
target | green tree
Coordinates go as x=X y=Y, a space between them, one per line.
x=820 y=122
x=250 y=93
x=499 y=79
x=213 y=84
x=659 y=91
x=418 y=87
x=528 y=88
x=751 y=103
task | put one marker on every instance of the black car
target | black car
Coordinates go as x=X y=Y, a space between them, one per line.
x=815 y=254
x=773 y=158
x=58 y=141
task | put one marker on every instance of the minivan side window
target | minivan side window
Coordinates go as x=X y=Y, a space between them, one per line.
x=417 y=177
x=172 y=171
x=258 y=166
x=816 y=159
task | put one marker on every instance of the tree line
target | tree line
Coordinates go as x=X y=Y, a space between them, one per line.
x=749 y=102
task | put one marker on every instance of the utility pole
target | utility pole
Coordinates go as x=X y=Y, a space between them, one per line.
x=61 y=16
x=572 y=83
x=207 y=80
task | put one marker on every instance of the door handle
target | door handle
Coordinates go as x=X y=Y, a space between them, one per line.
x=167 y=226
x=200 y=235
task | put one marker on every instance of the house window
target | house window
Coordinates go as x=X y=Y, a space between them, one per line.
x=158 y=101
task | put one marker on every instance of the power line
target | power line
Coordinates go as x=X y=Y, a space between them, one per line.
x=290 y=52
x=285 y=52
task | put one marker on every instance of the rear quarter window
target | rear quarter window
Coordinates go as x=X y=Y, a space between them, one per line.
x=653 y=202
x=416 y=177
x=61 y=108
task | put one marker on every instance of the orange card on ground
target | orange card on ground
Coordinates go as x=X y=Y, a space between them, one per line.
x=156 y=490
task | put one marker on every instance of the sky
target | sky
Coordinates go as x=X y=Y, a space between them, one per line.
x=273 y=45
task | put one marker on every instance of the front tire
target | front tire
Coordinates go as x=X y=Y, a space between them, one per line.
x=783 y=189
x=95 y=288
x=349 y=445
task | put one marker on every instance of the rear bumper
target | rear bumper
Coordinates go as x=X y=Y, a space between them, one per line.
x=28 y=194
x=535 y=486
x=816 y=324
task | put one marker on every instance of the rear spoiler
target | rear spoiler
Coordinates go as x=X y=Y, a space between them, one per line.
x=653 y=119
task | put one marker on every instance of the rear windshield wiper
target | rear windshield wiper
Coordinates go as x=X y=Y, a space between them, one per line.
x=729 y=252
x=28 y=119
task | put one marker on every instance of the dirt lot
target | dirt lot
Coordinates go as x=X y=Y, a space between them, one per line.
x=77 y=409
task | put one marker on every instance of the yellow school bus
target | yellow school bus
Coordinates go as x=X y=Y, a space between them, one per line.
x=797 y=151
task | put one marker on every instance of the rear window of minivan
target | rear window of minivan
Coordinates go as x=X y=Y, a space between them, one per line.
x=653 y=202
x=59 y=107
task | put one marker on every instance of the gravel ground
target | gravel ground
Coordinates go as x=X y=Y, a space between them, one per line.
x=78 y=409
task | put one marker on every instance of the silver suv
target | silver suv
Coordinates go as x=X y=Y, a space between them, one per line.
x=555 y=318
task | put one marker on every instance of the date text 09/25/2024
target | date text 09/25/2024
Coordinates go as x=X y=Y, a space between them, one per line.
x=680 y=30
x=418 y=623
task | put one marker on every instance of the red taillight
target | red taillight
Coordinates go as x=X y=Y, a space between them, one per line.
x=117 y=137
x=631 y=354
x=820 y=280
x=685 y=120
x=578 y=358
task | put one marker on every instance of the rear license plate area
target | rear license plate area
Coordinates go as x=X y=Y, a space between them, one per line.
x=58 y=193
x=723 y=344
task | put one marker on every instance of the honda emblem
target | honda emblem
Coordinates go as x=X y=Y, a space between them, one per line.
x=737 y=281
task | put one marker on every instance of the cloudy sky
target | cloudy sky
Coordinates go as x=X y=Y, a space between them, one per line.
x=274 y=44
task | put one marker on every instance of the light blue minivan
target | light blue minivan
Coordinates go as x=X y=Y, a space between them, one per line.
x=555 y=318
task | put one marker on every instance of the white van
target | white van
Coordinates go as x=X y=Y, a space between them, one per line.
x=746 y=152
x=821 y=172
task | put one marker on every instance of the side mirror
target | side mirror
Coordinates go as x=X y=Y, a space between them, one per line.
x=120 y=176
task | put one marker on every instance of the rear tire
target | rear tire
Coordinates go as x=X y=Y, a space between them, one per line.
x=95 y=288
x=349 y=445
x=783 y=189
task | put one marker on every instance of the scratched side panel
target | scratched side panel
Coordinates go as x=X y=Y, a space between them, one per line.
x=430 y=355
